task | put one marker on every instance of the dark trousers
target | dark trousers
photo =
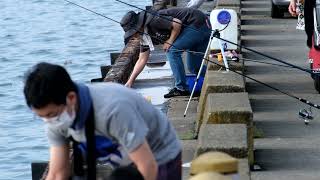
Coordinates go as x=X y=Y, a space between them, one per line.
x=172 y=170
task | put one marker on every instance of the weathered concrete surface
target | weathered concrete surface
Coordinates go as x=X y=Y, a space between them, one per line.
x=188 y=152
x=218 y=82
x=243 y=169
x=222 y=108
x=228 y=138
x=185 y=126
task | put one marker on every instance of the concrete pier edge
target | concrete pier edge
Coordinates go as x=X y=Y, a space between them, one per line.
x=187 y=128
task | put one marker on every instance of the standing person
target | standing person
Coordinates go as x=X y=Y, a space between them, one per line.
x=308 y=16
x=177 y=29
x=124 y=124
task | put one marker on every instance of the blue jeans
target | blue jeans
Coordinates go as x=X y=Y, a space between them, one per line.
x=188 y=39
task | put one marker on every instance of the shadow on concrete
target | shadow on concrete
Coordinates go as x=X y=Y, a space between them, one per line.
x=285 y=159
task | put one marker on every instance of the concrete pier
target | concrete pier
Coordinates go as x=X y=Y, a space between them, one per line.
x=222 y=111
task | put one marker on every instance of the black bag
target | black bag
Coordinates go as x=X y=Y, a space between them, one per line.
x=78 y=161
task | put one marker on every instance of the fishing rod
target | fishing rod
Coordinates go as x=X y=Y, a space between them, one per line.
x=305 y=101
x=263 y=62
x=194 y=52
x=241 y=46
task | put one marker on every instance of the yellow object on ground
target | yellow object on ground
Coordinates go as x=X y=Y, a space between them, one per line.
x=210 y=176
x=214 y=161
x=219 y=56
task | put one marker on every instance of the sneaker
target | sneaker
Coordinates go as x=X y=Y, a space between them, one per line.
x=176 y=92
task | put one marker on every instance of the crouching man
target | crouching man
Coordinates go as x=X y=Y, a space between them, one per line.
x=123 y=124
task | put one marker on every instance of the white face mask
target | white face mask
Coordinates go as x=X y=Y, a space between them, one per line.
x=63 y=121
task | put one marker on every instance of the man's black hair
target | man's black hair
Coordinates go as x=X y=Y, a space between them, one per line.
x=47 y=83
x=125 y=173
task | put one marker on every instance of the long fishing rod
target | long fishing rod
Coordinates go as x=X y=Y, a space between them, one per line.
x=305 y=101
x=241 y=46
x=263 y=62
x=194 y=52
x=99 y=14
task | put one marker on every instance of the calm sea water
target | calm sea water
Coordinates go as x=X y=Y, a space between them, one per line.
x=54 y=31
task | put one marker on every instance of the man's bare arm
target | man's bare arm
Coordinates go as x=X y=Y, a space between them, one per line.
x=145 y=161
x=59 y=165
x=176 y=28
x=142 y=61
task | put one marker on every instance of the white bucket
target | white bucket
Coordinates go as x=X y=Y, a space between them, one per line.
x=219 y=19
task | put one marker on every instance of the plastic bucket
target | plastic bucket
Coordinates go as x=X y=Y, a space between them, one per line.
x=191 y=79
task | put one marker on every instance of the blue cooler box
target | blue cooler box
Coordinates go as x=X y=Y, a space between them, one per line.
x=191 y=79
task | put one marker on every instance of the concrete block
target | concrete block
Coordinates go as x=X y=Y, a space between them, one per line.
x=223 y=108
x=228 y=138
x=219 y=82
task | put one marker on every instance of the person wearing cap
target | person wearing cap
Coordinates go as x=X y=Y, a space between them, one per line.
x=125 y=128
x=177 y=29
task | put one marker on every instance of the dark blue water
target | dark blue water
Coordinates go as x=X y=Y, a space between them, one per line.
x=32 y=31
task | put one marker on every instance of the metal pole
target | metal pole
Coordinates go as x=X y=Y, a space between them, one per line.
x=198 y=76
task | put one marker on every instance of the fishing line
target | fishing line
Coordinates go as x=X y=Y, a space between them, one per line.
x=241 y=46
x=305 y=101
x=263 y=62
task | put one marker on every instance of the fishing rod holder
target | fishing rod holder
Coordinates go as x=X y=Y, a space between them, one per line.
x=216 y=33
x=306 y=115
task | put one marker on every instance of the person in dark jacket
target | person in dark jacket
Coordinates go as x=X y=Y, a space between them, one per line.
x=177 y=29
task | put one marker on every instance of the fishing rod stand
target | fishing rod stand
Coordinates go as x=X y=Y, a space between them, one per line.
x=214 y=34
x=306 y=115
